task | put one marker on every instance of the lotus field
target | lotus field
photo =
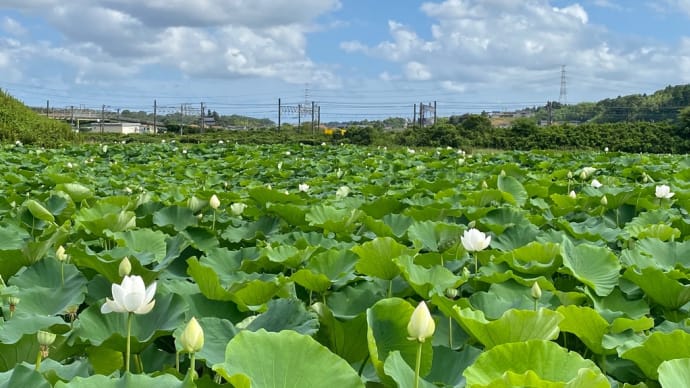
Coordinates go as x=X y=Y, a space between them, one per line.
x=182 y=265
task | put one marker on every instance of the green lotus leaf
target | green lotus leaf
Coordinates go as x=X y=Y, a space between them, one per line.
x=105 y=216
x=593 y=229
x=675 y=373
x=617 y=304
x=285 y=359
x=150 y=242
x=24 y=323
x=449 y=364
x=179 y=217
x=535 y=258
x=23 y=376
x=355 y=299
x=286 y=314
x=265 y=226
x=61 y=206
x=290 y=213
x=331 y=219
x=427 y=281
x=38 y=211
x=661 y=287
x=76 y=191
x=638 y=325
x=657 y=348
x=513 y=191
x=396 y=368
x=513 y=326
x=311 y=281
x=376 y=257
x=515 y=237
x=110 y=330
x=346 y=338
x=383 y=206
x=498 y=220
x=587 y=324
x=597 y=267
x=336 y=264
x=537 y=362
x=505 y=296
x=387 y=332
x=264 y=195
x=201 y=238
x=664 y=255
x=54 y=371
x=127 y=380
x=217 y=333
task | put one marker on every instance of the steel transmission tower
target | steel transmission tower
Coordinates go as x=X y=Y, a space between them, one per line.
x=563 y=97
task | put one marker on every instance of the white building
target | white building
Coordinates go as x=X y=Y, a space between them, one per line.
x=124 y=128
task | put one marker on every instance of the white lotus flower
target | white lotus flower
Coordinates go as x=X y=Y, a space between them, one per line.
x=596 y=184
x=237 y=208
x=572 y=194
x=132 y=296
x=663 y=191
x=60 y=254
x=473 y=240
x=587 y=171
x=192 y=338
x=421 y=325
x=342 y=192
x=303 y=187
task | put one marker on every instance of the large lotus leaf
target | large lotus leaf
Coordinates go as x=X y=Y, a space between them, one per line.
x=12 y=330
x=332 y=219
x=12 y=240
x=60 y=205
x=143 y=243
x=535 y=258
x=382 y=206
x=586 y=378
x=179 y=217
x=515 y=237
x=597 y=267
x=587 y=324
x=661 y=287
x=512 y=189
x=105 y=216
x=665 y=255
x=617 y=304
x=110 y=330
x=662 y=232
x=335 y=264
x=285 y=359
x=498 y=220
x=346 y=338
x=76 y=191
x=427 y=281
x=55 y=371
x=434 y=236
x=387 y=332
x=449 y=364
x=292 y=214
x=675 y=373
x=657 y=348
x=311 y=281
x=502 y=297
x=376 y=257
x=286 y=314
x=513 y=326
x=217 y=333
x=126 y=381
x=399 y=223
x=355 y=299
x=208 y=280
x=85 y=258
x=264 y=195
x=545 y=361
x=38 y=211
x=23 y=376
x=593 y=229
x=264 y=226
x=396 y=368
x=48 y=287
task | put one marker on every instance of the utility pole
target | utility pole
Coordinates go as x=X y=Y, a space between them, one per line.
x=414 y=116
x=563 y=97
x=434 y=112
x=421 y=115
x=202 y=117
x=155 y=113
x=299 y=117
x=318 y=119
x=102 y=116
x=312 y=118
x=47 y=108
x=279 y=109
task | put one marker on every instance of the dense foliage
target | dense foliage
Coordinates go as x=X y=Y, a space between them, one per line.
x=19 y=123
x=307 y=268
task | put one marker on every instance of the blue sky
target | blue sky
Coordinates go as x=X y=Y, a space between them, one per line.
x=357 y=59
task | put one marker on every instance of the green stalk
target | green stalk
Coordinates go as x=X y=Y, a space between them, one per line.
x=191 y=365
x=450 y=332
x=177 y=362
x=418 y=365
x=62 y=273
x=39 y=357
x=129 y=334
x=214 y=220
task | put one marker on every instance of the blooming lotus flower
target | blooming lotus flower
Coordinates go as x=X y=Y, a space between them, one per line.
x=421 y=325
x=303 y=187
x=192 y=338
x=473 y=240
x=663 y=191
x=596 y=184
x=342 y=192
x=237 y=208
x=214 y=202
x=130 y=297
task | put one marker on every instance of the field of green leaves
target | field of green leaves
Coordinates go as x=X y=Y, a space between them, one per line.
x=179 y=265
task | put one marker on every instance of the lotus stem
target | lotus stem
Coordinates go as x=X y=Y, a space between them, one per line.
x=418 y=364
x=177 y=362
x=128 y=349
x=214 y=220
x=192 y=369
x=450 y=332
x=39 y=357
x=62 y=273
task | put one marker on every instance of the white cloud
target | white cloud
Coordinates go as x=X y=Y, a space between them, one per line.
x=210 y=38
x=12 y=27
x=417 y=72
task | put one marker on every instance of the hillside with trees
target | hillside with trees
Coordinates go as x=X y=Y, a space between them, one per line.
x=20 y=123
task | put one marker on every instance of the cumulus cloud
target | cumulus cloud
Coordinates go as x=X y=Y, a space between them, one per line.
x=477 y=44
x=211 y=38
x=12 y=27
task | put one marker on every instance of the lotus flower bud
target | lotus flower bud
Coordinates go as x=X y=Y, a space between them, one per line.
x=536 y=290
x=192 y=338
x=604 y=201
x=237 y=208
x=570 y=175
x=125 y=267
x=60 y=254
x=421 y=325
x=485 y=185
x=451 y=293
x=45 y=338
x=572 y=194
x=214 y=202
x=503 y=173
x=583 y=175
